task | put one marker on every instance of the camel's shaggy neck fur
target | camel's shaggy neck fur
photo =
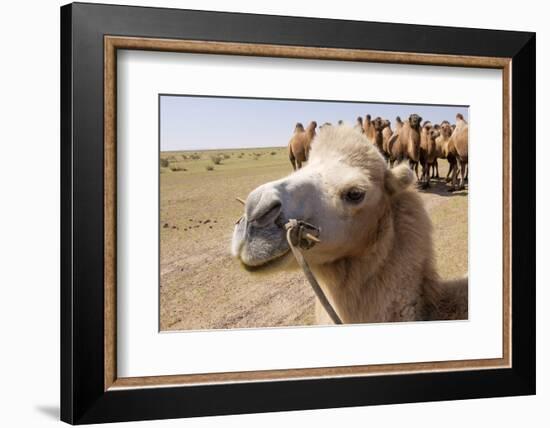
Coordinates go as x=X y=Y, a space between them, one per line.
x=394 y=278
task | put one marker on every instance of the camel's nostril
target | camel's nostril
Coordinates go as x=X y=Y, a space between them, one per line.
x=268 y=214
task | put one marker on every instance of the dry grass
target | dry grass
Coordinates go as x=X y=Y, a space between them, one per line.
x=216 y=159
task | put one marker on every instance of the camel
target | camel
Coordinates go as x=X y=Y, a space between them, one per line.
x=433 y=166
x=442 y=149
x=374 y=133
x=410 y=133
x=375 y=258
x=300 y=144
x=458 y=147
x=428 y=150
x=406 y=142
x=386 y=135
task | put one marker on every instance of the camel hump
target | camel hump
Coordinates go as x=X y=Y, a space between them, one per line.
x=299 y=127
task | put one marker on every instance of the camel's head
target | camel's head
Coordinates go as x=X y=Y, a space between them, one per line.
x=415 y=121
x=378 y=124
x=387 y=124
x=299 y=127
x=312 y=126
x=434 y=133
x=446 y=129
x=345 y=190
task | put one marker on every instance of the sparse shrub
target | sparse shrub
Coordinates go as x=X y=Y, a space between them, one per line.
x=164 y=163
x=195 y=156
x=176 y=168
x=216 y=159
x=209 y=168
x=226 y=156
x=273 y=153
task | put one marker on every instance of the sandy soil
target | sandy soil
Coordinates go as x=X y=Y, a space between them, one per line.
x=202 y=287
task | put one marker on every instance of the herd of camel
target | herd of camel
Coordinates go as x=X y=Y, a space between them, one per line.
x=410 y=140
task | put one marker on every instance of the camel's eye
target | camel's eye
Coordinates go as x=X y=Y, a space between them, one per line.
x=354 y=195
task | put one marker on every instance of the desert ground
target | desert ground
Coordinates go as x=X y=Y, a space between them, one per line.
x=203 y=287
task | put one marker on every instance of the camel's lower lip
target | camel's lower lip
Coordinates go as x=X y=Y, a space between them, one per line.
x=271 y=263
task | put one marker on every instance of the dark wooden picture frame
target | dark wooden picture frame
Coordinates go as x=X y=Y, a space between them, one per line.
x=90 y=389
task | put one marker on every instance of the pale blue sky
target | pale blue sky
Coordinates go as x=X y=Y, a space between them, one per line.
x=202 y=123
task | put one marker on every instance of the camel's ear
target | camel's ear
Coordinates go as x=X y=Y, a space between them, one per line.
x=398 y=179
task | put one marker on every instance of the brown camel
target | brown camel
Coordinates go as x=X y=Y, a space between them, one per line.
x=374 y=133
x=445 y=132
x=458 y=146
x=411 y=135
x=386 y=135
x=300 y=143
x=407 y=143
x=428 y=150
x=375 y=259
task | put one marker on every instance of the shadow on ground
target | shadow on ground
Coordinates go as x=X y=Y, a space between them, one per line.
x=49 y=410
x=441 y=188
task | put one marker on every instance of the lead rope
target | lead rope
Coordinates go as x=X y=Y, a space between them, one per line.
x=307 y=240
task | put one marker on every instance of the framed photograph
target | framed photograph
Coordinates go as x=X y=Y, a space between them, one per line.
x=266 y=213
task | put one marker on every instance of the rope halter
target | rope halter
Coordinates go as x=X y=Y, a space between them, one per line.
x=303 y=236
